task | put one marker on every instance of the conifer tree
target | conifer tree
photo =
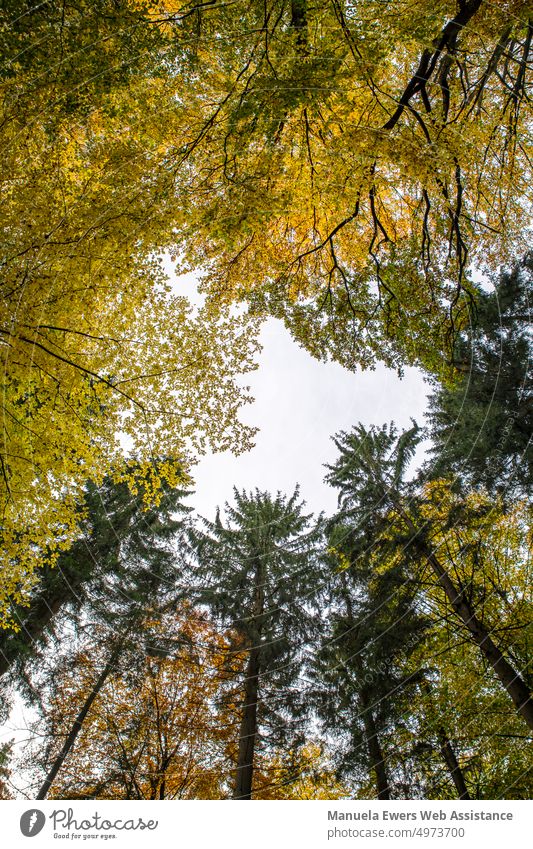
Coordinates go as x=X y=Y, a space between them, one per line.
x=362 y=672
x=375 y=495
x=481 y=424
x=259 y=570
x=122 y=556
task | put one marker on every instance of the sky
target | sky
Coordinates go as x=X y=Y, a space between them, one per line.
x=299 y=404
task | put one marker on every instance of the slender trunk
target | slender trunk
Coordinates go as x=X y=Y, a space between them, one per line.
x=248 y=730
x=456 y=773
x=78 y=722
x=447 y=751
x=375 y=753
x=509 y=677
x=377 y=761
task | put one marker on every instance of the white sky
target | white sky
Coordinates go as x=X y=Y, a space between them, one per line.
x=300 y=403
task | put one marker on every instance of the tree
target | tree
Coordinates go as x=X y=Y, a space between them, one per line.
x=258 y=576
x=63 y=419
x=98 y=352
x=123 y=547
x=158 y=727
x=461 y=703
x=335 y=166
x=369 y=476
x=128 y=576
x=363 y=678
x=348 y=164
x=481 y=423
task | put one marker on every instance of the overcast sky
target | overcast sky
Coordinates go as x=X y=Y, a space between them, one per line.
x=300 y=403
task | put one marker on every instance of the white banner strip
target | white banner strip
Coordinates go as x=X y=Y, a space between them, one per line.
x=272 y=824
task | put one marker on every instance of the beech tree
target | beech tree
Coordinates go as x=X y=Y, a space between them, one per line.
x=98 y=352
x=345 y=167
x=463 y=723
x=348 y=164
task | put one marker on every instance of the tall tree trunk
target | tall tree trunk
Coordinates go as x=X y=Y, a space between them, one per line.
x=78 y=722
x=377 y=761
x=454 y=768
x=509 y=677
x=446 y=749
x=248 y=730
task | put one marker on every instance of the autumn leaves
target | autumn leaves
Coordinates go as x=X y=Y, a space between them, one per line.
x=348 y=168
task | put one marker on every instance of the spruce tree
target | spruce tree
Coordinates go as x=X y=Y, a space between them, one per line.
x=259 y=572
x=363 y=678
x=122 y=558
x=481 y=423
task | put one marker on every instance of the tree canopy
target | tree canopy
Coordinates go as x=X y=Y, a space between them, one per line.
x=361 y=171
x=348 y=163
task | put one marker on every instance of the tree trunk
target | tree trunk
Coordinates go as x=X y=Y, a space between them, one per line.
x=447 y=751
x=299 y=20
x=377 y=761
x=509 y=677
x=78 y=722
x=456 y=773
x=248 y=729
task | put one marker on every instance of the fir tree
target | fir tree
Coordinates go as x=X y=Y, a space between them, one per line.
x=259 y=568
x=481 y=424
x=375 y=623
